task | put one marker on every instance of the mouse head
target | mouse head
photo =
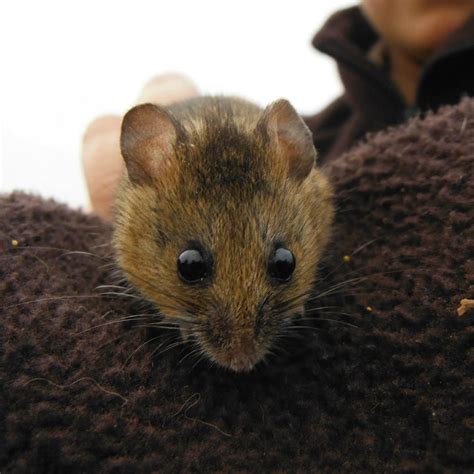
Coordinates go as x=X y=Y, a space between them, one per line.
x=221 y=221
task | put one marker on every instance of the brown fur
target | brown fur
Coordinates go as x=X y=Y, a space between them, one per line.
x=227 y=188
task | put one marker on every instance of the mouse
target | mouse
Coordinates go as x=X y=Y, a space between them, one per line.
x=221 y=219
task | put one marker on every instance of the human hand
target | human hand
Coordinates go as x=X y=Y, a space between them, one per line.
x=101 y=157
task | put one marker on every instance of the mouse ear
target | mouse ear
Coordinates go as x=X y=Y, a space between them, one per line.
x=290 y=137
x=149 y=135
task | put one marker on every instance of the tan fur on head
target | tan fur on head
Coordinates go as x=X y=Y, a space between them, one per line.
x=237 y=185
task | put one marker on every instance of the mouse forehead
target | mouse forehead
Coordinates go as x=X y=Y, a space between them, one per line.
x=230 y=189
x=227 y=159
x=238 y=231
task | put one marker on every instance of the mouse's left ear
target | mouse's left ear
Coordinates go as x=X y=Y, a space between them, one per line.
x=290 y=137
x=147 y=141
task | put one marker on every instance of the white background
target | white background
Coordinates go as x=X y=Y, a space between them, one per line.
x=66 y=62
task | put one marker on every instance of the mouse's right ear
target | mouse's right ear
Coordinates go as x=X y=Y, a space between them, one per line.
x=147 y=141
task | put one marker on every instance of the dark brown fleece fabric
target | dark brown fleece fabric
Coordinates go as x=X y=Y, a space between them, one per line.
x=371 y=101
x=388 y=388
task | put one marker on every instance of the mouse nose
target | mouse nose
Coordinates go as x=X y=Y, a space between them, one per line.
x=242 y=363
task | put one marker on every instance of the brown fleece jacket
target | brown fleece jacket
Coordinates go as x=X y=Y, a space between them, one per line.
x=384 y=387
x=371 y=101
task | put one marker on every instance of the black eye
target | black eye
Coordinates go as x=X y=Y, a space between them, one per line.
x=282 y=264
x=191 y=266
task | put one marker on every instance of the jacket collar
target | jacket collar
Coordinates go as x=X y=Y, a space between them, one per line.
x=348 y=38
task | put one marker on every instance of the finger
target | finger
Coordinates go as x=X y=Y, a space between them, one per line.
x=168 y=88
x=102 y=162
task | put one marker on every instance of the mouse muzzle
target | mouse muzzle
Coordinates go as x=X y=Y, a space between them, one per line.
x=241 y=356
x=232 y=342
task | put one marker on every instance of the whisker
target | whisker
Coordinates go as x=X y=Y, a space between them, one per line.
x=343 y=323
x=126 y=319
x=51 y=298
x=202 y=357
x=355 y=252
x=169 y=338
x=197 y=350
x=155 y=326
x=178 y=298
x=59 y=249
x=138 y=348
x=128 y=295
x=127 y=333
x=370 y=265
x=314 y=317
x=295 y=298
x=101 y=287
x=124 y=295
x=171 y=346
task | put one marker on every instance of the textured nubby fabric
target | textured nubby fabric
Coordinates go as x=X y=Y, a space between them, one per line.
x=81 y=393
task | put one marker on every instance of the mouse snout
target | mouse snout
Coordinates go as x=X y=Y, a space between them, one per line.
x=242 y=363
x=235 y=347
x=238 y=358
x=231 y=337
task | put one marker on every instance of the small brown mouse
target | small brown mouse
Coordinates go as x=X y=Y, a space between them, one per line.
x=221 y=220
